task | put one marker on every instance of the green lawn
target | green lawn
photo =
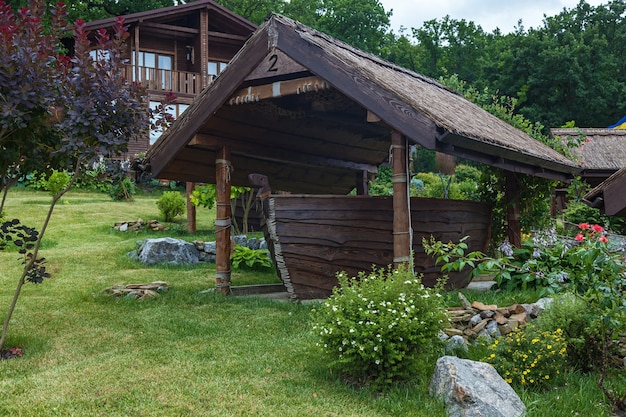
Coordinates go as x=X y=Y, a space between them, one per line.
x=185 y=353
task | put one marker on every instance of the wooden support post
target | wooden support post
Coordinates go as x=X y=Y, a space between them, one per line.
x=401 y=217
x=191 y=209
x=222 y=221
x=512 y=198
x=362 y=183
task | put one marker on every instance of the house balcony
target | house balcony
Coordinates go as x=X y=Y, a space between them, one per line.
x=159 y=80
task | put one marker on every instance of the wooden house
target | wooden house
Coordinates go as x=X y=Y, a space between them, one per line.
x=610 y=195
x=314 y=115
x=179 y=49
x=601 y=152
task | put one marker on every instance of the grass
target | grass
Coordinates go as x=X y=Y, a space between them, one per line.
x=185 y=353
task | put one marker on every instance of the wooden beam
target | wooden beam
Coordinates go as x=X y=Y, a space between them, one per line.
x=164 y=28
x=401 y=214
x=513 y=201
x=274 y=154
x=191 y=209
x=277 y=89
x=227 y=36
x=223 y=221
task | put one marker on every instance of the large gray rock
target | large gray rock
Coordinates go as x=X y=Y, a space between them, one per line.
x=168 y=250
x=473 y=389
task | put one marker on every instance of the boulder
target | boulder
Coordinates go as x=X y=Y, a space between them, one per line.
x=168 y=250
x=473 y=389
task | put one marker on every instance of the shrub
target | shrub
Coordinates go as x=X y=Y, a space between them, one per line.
x=582 y=335
x=252 y=259
x=528 y=358
x=123 y=190
x=57 y=181
x=171 y=204
x=381 y=327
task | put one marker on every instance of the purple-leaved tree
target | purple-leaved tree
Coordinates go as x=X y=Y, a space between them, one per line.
x=58 y=111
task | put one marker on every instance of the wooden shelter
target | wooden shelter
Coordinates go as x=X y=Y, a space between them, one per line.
x=601 y=153
x=610 y=195
x=318 y=116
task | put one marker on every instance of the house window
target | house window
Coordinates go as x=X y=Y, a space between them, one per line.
x=100 y=55
x=215 y=67
x=174 y=109
x=155 y=70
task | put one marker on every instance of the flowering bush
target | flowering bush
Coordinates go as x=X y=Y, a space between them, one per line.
x=378 y=327
x=528 y=358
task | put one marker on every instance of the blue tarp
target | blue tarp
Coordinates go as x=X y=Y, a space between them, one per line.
x=619 y=125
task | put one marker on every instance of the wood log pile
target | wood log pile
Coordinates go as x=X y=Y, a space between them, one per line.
x=138 y=291
x=139 y=224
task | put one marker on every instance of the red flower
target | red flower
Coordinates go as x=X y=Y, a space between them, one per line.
x=597 y=228
x=603 y=239
x=579 y=237
x=583 y=226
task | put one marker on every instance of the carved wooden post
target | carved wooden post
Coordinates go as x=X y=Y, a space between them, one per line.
x=401 y=218
x=191 y=209
x=512 y=198
x=222 y=221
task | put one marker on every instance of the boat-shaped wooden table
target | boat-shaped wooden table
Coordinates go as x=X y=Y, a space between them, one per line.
x=312 y=237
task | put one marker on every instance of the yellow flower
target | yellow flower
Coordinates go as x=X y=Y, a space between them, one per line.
x=534 y=341
x=548 y=376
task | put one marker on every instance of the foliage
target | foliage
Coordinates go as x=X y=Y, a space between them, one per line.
x=583 y=267
x=171 y=205
x=382 y=183
x=57 y=181
x=250 y=259
x=424 y=160
x=578 y=212
x=581 y=334
x=57 y=111
x=528 y=357
x=380 y=327
x=123 y=189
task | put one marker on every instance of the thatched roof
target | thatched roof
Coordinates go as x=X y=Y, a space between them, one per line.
x=610 y=195
x=312 y=113
x=600 y=149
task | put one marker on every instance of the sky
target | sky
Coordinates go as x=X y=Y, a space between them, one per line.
x=489 y=14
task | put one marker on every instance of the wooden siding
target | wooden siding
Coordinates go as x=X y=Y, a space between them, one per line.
x=314 y=237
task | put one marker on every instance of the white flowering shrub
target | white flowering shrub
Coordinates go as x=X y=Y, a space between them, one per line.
x=380 y=328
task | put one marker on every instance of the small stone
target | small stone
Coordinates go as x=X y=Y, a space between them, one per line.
x=477 y=318
x=519 y=318
x=453 y=332
x=492 y=329
x=544 y=303
x=504 y=311
x=532 y=310
x=456 y=343
x=465 y=302
x=123 y=227
x=516 y=309
x=482 y=307
x=480 y=326
x=487 y=314
x=505 y=329
x=500 y=319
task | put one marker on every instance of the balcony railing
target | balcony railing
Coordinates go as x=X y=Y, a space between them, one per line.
x=181 y=82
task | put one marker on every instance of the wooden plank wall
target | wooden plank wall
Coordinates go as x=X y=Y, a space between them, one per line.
x=319 y=236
